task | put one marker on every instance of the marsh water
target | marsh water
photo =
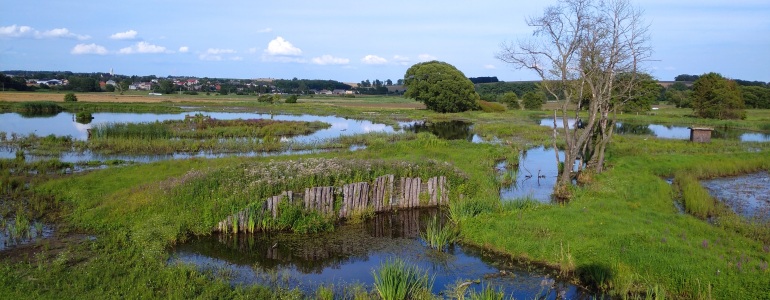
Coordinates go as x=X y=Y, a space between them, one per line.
x=15 y=232
x=535 y=176
x=350 y=254
x=672 y=131
x=64 y=124
x=747 y=195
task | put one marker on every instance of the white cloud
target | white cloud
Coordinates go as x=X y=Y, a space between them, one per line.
x=265 y=30
x=184 y=49
x=426 y=57
x=281 y=47
x=15 y=31
x=330 y=60
x=143 y=47
x=89 y=49
x=373 y=60
x=215 y=54
x=61 y=33
x=22 y=31
x=490 y=67
x=128 y=35
x=236 y=58
x=402 y=60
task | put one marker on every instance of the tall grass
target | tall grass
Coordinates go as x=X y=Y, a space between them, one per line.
x=696 y=198
x=395 y=280
x=439 y=236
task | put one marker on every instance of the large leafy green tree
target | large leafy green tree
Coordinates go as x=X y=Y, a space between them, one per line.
x=643 y=92
x=441 y=86
x=716 y=97
x=756 y=96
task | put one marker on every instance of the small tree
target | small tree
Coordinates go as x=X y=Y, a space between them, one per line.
x=510 y=99
x=533 y=100
x=291 y=99
x=70 y=97
x=716 y=97
x=441 y=87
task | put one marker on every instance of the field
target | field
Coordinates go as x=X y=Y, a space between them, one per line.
x=621 y=234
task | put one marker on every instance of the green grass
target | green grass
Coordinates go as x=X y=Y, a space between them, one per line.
x=395 y=280
x=620 y=233
x=624 y=235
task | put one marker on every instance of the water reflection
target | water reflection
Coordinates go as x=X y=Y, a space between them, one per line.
x=352 y=252
x=536 y=175
x=674 y=131
x=448 y=130
x=747 y=195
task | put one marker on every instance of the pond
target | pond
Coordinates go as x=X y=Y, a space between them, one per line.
x=349 y=256
x=535 y=177
x=673 y=131
x=747 y=195
x=448 y=130
x=63 y=124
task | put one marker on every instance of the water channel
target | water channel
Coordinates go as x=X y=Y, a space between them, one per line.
x=352 y=252
x=672 y=131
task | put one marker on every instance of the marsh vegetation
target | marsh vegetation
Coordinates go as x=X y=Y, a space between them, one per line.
x=620 y=233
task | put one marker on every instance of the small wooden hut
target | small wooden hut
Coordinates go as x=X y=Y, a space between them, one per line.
x=700 y=134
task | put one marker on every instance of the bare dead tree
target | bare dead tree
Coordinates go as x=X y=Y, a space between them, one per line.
x=578 y=49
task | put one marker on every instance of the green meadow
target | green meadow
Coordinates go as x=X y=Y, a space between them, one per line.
x=645 y=228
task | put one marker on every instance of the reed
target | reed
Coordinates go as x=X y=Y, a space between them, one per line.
x=395 y=280
x=488 y=293
x=439 y=236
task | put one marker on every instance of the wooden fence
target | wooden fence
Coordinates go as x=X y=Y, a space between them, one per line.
x=380 y=196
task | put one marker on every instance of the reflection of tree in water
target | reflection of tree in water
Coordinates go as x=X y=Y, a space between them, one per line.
x=313 y=253
x=449 y=130
x=629 y=128
x=726 y=133
x=38 y=114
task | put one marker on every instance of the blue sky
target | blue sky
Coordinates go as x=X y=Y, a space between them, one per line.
x=349 y=41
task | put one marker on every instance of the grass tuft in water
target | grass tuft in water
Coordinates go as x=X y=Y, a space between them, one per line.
x=395 y=280
x=439 y=236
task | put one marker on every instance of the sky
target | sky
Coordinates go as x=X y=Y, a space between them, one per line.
x=350 y=41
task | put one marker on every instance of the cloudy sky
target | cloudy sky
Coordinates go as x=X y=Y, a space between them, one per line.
x=349 y=41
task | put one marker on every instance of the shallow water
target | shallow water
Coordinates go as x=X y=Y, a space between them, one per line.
x=747 y=195
x=10 y=236
x=63 y=124
x=536 y=175
x=351 y=254
x=674 y=131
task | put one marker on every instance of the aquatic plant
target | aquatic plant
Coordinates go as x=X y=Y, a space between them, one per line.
x=395 y=280
x=488 y=293
x=439 y=236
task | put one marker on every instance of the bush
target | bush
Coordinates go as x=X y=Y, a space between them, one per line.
x=265 y=99
x=491 y=106
x=533 y=100
x=511 y=100
x=291 y=99
x=70 y=97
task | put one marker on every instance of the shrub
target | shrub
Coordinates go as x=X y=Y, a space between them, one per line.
x=533 y=100
x=491 y=106
x=511 y=100
x=70 y=97
x=291 y=99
